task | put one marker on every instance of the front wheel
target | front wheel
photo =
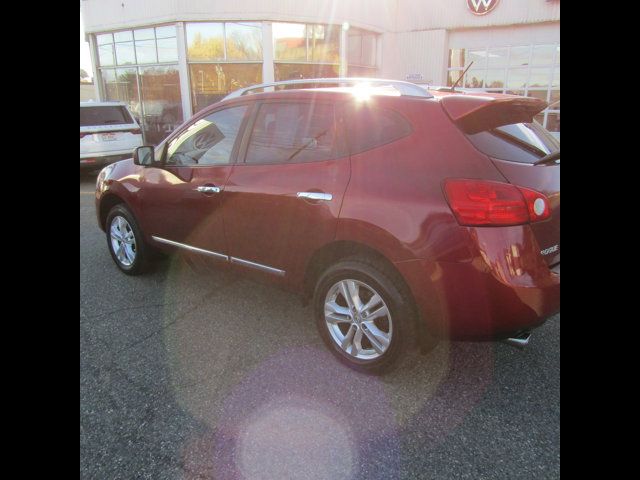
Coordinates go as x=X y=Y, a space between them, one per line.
x=363 y=316
x=125 y=241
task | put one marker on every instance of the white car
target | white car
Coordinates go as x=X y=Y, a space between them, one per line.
x=108 y=133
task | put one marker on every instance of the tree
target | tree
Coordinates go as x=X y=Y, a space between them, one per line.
x=83 y=74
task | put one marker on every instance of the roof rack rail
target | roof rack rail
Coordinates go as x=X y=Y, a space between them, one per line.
x=405 y=88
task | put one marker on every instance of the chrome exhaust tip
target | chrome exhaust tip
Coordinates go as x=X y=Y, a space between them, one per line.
x=520 y=341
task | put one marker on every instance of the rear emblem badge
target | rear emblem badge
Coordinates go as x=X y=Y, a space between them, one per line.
x=549 y=250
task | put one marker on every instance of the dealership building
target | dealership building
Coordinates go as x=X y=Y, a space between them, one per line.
x=168 y=59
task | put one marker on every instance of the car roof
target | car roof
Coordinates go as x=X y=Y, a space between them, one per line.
x=346 y=93
x=324 y=93
x=337 y=93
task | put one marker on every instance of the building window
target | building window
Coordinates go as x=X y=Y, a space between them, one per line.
x=323 y=43
x=146 y=51
x=121 y=84
x=223 y=57
x=145 y=76
x=361 y=53
x=210 y=82
x=287 y=71
x=205 y=41
x=243 y=41
x=289 y=42
x=160 y=87
x=527 y=70
x=105 y=49
x=305 y=50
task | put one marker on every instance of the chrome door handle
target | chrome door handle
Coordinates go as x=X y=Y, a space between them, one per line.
x=208 y=189
x=315 y=196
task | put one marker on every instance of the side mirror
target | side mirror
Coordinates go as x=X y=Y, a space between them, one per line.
x=144 y=156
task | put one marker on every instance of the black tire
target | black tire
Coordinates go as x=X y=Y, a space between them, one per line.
x=398 y=301
x=142 y=252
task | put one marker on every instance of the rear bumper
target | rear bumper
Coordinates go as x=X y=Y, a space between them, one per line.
x=487 y=298
x=467 y=302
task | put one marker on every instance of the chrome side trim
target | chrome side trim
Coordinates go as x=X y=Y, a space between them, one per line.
x=190 y=248
x=257 y=266
x=520 y=341
x=235 y=260
x=327 y=197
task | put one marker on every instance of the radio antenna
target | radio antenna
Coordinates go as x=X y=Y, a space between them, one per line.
x=453 y=87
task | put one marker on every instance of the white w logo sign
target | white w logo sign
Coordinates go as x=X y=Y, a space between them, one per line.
x=480 y=7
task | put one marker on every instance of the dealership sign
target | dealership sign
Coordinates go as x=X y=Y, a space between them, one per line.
x=481 y=7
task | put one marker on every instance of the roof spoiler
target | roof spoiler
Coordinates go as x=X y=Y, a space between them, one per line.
x=474 y=114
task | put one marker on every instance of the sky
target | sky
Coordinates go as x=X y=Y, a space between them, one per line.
x=85 y=57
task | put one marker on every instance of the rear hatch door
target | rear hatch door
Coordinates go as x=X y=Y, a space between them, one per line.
x=504 y=130
x=107 y=128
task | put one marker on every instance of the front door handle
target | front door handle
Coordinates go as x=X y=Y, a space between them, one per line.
x=208 y=189
x=327 y=197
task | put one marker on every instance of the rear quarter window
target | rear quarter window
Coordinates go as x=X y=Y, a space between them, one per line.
x=370 y=127
x=517 y=142
x=106 y=115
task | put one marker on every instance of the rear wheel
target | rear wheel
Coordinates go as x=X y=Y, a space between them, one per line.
x=364 y=318
x=125 y=241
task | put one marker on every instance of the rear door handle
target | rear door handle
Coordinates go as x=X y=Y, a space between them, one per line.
x=208 y=189
x=327 y=197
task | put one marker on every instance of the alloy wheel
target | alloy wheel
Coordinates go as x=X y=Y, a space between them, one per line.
x=358 y=319
x=123 y=241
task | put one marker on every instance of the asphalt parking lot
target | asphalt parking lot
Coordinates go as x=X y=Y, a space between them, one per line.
x=192 y=375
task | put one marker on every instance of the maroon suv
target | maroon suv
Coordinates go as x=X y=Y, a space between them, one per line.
x=405 y=215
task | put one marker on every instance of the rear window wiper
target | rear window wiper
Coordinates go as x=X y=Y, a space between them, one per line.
x=548 y=158
x=516 y=141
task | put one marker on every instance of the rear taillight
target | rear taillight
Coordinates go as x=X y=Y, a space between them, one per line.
x=486 y=203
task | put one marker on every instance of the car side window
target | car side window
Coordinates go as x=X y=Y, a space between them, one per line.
x=209 y=141
x=370 y=127
x=293 y=132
